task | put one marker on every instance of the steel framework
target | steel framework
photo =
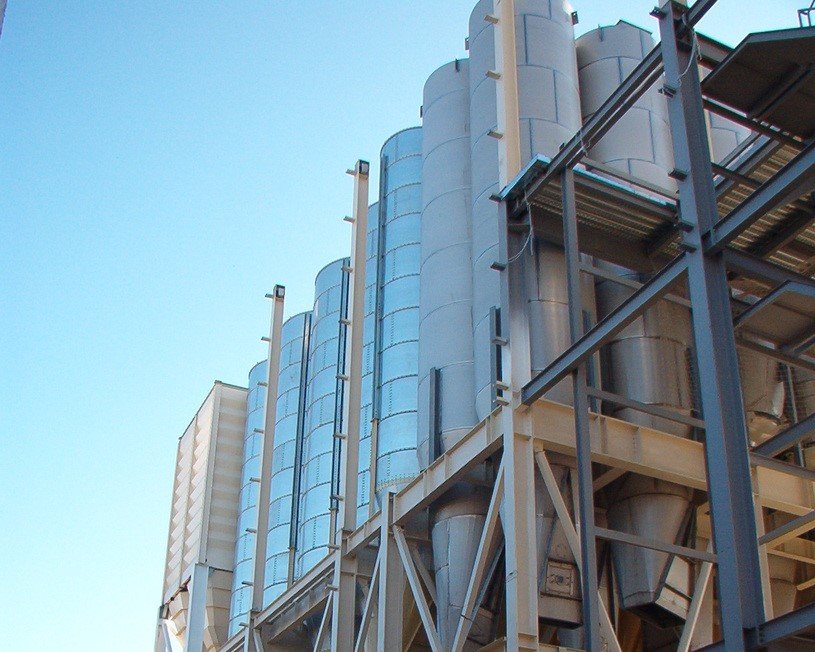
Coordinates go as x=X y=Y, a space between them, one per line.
x=705 y=252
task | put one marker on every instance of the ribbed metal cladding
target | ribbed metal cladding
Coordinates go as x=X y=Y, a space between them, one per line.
x=289 y=421
x=323 y=415
x=397 y=333
x=248 y=500
x=369 y=358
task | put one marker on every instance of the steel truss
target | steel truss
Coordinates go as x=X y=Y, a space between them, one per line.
x=526 y=432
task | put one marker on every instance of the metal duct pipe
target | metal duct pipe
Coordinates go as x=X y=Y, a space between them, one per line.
x=763 y=393
x=241 y=601
x=285 y=471
x=649 y=360
x=323 y=415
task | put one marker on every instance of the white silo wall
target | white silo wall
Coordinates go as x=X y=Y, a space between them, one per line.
x=445 y=330
x=649 y=360
x=445 y=298
x=289 y=419
x=549 y=110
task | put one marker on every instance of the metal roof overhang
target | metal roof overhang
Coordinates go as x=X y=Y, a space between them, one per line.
x=770 y=76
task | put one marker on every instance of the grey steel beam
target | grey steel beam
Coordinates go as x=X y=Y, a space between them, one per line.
x=646 y=408
x=605 y=330
x=781 y=356
x=585 y=475
x=793 y=226
x=751 y=124
x=654 y=544
x=787 y=438
x=784 y=627
x=728 y=466
x=792 y=529
x=795 y=179
x=793 y=287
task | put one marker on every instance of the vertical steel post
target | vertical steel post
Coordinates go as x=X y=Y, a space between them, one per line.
x=585 y=479
x=197 y=609
x=264 y=492
x=518 y=512
x=728 y=468
x=391 y=592
x=343 y=604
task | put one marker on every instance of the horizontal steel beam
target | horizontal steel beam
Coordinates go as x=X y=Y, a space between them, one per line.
x=786 y=439
x=646 y=408
x=784 y=627
x=652 y=453
x=784 y=467
x=795 y=179
x=653 y=544
x=795 y=527
x=801 y=362
x=605 y=330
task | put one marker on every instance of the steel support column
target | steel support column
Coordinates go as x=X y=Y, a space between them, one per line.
x=585 y=476
x=343 y=604
x=277 y=296
x=197 y=609
x=391 y=588
x=728 y=466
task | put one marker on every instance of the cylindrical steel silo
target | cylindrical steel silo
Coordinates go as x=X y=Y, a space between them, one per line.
x=549 y=111
x=248 y=500
x=397 y=334
x=323 y=415
x=648 y=361
x=369 y=361
x=289 y=420
x=445 y=298
x=446 y=409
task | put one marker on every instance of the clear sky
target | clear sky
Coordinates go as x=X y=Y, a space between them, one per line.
x=162 y=165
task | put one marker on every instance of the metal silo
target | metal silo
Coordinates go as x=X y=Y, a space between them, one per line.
x=549 y=113
x=649 y=360
x=323 y=415
x=369 y=361
x=248 y=499
x=549 y=110
x=397 y=327
x=289 y=422
x=446 y=408
x=445 y=308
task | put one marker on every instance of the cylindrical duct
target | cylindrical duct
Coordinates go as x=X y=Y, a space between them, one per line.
x=323 y=415
x=248 y=500
x=397 y=335
x=369 y=361
x=549 y=111
x=289 y=420
x=649 y=361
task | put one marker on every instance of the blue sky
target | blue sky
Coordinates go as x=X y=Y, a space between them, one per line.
x=162 y=165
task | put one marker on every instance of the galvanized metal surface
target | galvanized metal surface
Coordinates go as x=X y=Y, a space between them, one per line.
x=243 y=569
